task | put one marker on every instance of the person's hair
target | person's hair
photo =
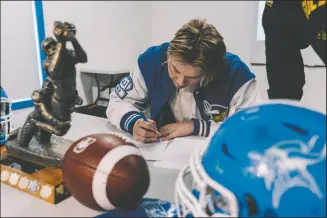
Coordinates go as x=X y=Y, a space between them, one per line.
x=199 y=44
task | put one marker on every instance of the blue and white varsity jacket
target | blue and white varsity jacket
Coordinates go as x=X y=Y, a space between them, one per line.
x=149 y=85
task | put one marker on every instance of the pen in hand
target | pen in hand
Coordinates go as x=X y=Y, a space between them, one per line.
x=146 y=120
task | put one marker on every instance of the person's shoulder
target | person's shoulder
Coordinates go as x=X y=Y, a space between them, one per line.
x=238 y=66
x=154 y=55
x=235 y=61
x=233 y=58
x=156 y=49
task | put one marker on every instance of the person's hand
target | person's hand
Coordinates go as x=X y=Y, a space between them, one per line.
x=58 y=30
x=175 y=130
x=145 y=131
x=70 y=31
x=64 y=31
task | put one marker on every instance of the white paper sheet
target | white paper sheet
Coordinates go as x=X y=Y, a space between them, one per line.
x=184 y=147
x=178 y=152
x=152 y=151
x=149 y=151
x=179 y=148
x=173 y=163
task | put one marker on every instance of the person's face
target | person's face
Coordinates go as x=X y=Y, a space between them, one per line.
x=51 y=48
x=183 y=74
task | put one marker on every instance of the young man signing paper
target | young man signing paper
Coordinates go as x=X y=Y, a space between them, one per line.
x=190 y=85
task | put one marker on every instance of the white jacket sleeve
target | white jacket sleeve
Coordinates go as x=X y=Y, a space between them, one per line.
x=127 y=101
x=246 y=96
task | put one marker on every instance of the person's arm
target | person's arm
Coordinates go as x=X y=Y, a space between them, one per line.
x=127 y=101
x=246 y=96
x=55 y=64
x=78 y=54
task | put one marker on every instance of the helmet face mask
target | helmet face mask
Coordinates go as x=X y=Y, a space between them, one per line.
x=200 y=196
x=263 y=161
x=5 y=119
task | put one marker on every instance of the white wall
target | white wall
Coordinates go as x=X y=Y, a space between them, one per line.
x=112 y=33
x=232 y=19
x=237 y=22
x=19 y=62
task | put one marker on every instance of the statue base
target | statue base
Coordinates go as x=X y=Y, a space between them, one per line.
x=47 y=154
x=36 y=169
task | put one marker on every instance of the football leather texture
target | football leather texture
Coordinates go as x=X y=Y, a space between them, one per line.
x=106 y=171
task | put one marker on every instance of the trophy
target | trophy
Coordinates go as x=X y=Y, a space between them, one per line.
x=32 y=156
x=39 y=139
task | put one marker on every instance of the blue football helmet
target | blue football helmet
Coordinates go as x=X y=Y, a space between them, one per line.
x=5 y=106
x=264 y=161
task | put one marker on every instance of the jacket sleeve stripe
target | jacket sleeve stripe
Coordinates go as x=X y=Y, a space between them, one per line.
x=201 y=127
x=127 y=121
x=206 y=128
x=208 y=125
x=196 y=123
x=130 y=124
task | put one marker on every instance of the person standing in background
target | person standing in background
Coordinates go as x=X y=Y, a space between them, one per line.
x=290 y=26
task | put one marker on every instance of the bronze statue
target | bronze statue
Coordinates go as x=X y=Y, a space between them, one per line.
x=56 y=100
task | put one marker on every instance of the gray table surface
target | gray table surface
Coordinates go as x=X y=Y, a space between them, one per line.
x=15 y=203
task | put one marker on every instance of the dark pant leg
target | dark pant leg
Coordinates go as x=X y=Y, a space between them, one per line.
x=284 y=40
x=285 y=71
x=27 y=132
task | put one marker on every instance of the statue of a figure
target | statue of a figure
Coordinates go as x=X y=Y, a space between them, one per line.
x=55 y=102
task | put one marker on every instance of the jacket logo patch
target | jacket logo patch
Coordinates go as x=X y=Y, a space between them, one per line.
x=125 y=85
x=269 y=3
x=216 y=112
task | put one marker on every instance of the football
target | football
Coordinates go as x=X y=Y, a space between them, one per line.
x=105 y=171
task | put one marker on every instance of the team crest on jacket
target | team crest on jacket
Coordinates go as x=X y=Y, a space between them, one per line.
x=125 y=85
x=216 y=112
x=269 y=3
